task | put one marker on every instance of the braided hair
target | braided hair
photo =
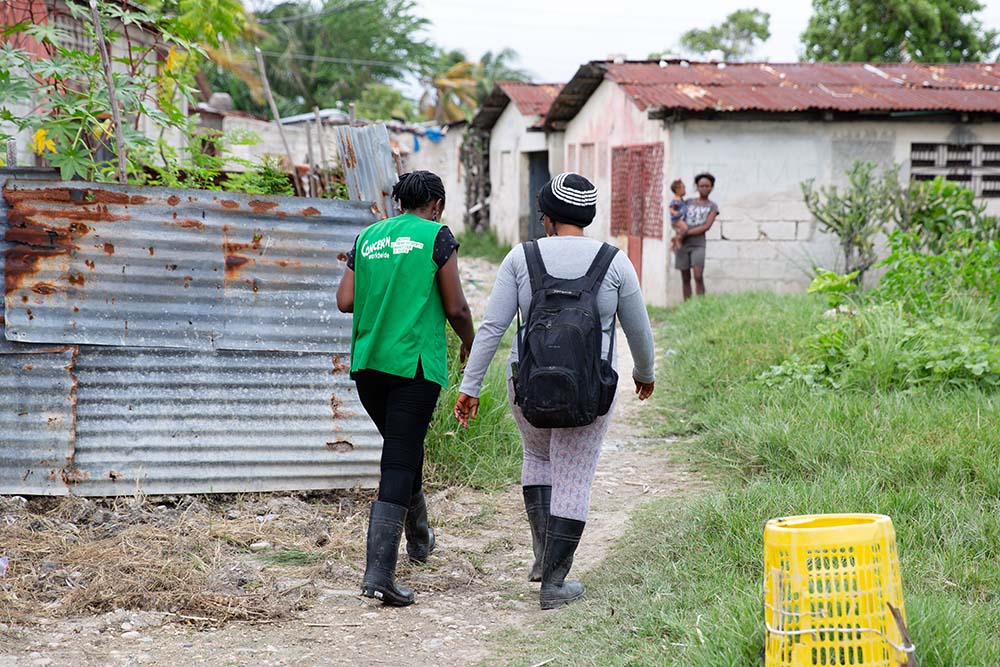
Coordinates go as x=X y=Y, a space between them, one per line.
x=417 y=189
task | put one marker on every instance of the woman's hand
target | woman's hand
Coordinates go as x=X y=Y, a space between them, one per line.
x=465 y=408
x=643 y=389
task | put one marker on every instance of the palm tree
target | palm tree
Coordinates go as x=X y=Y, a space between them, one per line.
x=450 y=87
x=495 y=67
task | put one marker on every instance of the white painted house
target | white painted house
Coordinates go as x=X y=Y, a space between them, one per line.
x=761 y=129
x=520 y=155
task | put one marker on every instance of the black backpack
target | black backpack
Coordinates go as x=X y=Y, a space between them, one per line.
x=561 y=380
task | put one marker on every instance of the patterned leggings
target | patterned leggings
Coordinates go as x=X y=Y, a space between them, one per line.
x=563 y=458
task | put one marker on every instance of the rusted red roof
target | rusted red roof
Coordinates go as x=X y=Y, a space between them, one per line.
x=531 y=99
x=783 y=88
x=971 y=87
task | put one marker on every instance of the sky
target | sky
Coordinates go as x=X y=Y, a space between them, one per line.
x=554 y=37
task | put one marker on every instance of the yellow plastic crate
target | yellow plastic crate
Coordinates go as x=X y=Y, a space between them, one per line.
x=829 y=581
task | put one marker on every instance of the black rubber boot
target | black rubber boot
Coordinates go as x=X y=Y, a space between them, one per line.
x=561 y=540
x=537 y=501
x=420 y=538
x=385 y=528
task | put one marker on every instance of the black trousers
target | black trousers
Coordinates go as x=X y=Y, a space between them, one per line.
x=402 y=409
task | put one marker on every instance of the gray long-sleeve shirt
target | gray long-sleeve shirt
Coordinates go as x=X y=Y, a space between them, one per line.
x=564 y=257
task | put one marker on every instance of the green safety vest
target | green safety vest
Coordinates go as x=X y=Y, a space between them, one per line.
x=399 y=317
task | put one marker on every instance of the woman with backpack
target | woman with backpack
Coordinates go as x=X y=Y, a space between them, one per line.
x=570 y=289
x=402 y=283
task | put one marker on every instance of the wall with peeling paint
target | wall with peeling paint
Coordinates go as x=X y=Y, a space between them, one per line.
x=764 y=237
x=610 y=119
x=510 y=141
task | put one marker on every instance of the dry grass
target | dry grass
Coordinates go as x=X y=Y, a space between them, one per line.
x=191 y=556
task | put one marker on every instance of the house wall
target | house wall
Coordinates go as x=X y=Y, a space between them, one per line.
x=444 y=158
x=270 y=142
x=509 y=141
x=764 y=237
x=610 y=119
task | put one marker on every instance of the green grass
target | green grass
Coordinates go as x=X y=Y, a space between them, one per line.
x=684 y=586
x=482 y=244
x=488 y=455
x=289 y=557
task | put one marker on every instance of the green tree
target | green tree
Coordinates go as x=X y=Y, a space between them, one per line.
x=898 y=31
x=449 y=87
x=736 y=37
x=318 y=55
x=498 y=66
x=380 y=101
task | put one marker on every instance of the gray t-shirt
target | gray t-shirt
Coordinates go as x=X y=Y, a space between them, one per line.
x=564 y=257
x=696 y=215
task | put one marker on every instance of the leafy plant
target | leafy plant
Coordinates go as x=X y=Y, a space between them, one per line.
x=857 y=213
x=932 y=211
x=268 y=178
x=836 y=287
x=929 y=282
x=71 y=105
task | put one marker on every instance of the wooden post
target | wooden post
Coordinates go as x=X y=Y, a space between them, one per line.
x=311 y=176
x=277 y=118
x=352 y=114
x=324 y=173
x=116 y=113
x=11 y=153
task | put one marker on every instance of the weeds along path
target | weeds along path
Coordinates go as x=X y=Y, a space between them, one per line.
x=472 y=590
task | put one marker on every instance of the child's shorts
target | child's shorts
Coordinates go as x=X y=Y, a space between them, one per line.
x=688 y=256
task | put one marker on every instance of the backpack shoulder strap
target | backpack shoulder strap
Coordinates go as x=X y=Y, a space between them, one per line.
x=536 y=267
x=599 y=267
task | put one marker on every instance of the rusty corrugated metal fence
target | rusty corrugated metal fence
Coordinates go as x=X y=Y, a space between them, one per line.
x=176 y=341
x=370 y=167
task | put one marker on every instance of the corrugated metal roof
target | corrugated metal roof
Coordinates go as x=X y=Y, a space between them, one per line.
x=971 y=87
x=780 y=88
x=531 y=99
x=180 y=421
x=370 y=167
x=121 y=265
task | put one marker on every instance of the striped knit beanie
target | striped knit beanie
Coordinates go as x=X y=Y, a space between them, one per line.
x=569 y=198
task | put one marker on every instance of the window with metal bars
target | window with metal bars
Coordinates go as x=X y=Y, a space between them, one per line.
x=976 y=166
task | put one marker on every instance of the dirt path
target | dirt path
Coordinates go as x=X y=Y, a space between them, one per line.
x=473 y=587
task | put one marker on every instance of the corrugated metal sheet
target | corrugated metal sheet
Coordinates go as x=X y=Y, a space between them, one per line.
x=531 y=99
x=969 y=87
x=370 y=167
x=10 y=175
x=37 y=401
x=179 y=421
x=144 y=267
x=260 y=399
x=768 y=87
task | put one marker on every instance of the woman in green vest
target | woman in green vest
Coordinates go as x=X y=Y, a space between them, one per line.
x=402 y=283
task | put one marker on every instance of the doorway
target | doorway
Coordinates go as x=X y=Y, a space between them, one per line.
x=538 y=175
